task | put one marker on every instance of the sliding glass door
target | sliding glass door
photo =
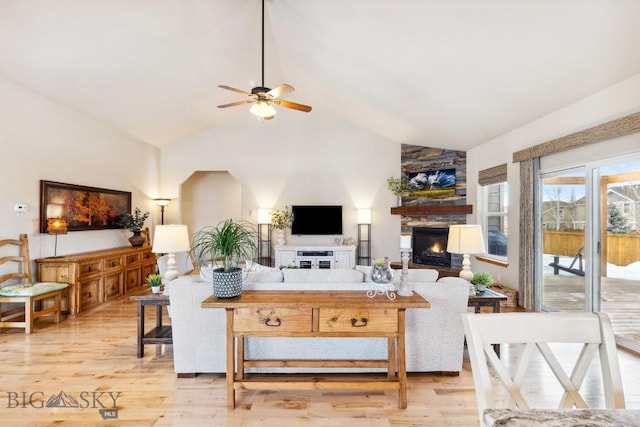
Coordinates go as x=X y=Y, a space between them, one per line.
x=563 y=222
x=590 y=242
x=619 y=296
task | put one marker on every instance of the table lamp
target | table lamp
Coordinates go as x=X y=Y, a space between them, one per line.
x=170 y=239
x=56 y=226
x=465 y=239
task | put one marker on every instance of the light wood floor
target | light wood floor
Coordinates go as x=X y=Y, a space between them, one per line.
x=95 y=355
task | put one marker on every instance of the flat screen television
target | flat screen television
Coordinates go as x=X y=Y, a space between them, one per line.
x=316 y=220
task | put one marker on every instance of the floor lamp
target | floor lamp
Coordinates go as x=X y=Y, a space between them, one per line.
x=364 y=236
x=264 y=237
x=162 y=203
x=170 y=239
x=465 y=239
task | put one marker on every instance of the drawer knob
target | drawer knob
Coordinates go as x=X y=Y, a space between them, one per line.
x=274 y=324
x=363 y=322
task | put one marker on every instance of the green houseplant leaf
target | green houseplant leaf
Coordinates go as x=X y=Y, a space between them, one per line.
x=230 y=241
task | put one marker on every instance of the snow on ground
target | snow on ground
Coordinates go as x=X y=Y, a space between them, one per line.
x=628 y=272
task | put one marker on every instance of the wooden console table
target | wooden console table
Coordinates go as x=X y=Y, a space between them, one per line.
x=316 y=314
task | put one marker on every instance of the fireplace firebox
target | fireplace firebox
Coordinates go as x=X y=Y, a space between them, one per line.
x=430 y=246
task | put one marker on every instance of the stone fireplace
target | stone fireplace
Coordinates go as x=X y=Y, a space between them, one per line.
x=430 y=246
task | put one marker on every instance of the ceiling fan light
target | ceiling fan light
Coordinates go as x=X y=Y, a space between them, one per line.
x=263 y=110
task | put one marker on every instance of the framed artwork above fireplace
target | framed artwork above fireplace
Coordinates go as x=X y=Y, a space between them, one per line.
x=432 y=183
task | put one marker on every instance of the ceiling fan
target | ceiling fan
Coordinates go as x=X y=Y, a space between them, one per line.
x=264 y=98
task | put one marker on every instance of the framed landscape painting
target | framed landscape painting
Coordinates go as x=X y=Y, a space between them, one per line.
x=432 y=183
x=84 y=208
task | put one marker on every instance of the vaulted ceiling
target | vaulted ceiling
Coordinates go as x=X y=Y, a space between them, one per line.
x=445 y=73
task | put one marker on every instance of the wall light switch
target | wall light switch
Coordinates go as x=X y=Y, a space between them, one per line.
x=20 y=208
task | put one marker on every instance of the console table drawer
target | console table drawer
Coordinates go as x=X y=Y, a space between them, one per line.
x=114 y=262
x=131 y=259
x=87 y=268
x=358 y=321
x=272 y=320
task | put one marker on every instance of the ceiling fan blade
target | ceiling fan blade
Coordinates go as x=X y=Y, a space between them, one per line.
x=292 y=105
x=233 y=104
x=235 y=90
x=280 y=91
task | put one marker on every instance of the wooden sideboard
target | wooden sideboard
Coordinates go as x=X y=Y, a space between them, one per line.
x=97 y=276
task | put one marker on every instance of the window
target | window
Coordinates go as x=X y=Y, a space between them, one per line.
x=496 y=207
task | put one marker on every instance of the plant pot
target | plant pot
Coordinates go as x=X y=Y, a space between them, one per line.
x=136 y=239
x=155 y=289
x=281 y=237
x=480 y=287
x=227 y=284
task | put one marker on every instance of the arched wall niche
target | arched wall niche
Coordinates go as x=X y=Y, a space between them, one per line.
x=208 y=197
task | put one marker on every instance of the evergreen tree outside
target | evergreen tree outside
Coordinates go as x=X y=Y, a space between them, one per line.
x=617 y=222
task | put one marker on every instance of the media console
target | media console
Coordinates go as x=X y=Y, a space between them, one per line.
x=325 y=257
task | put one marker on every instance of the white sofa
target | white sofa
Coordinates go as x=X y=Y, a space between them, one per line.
x=434 y=337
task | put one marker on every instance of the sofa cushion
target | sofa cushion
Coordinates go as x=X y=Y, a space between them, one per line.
x=264 y=275
x=322 y=275
x=366 y=270
x=256 y=274
x=416 y=275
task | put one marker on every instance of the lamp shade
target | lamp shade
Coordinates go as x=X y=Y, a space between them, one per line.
x=172 y=238
x=364 y=216
x=56 y=226
x=162 y=202
x=264 y=216
x=465 y=239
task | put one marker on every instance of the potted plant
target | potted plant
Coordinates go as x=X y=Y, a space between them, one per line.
x=398 y=186
x=134 y=222
x=155 y=280
x=228 y=242
x=482 y=279
x=281 y=220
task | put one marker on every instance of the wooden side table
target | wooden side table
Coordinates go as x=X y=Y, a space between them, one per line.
x=158 y=335
x=488 y=298
x=315 y=314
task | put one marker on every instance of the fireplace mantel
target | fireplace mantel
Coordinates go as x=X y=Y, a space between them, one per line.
x=432 y=210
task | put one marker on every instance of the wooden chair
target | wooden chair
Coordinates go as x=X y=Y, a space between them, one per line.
x=31 y=296
x=591 y=332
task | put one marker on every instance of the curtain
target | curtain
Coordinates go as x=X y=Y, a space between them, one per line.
x=493 y=175
x=527 y=250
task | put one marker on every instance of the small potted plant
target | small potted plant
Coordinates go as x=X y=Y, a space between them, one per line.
x=280 y=221
x=134 y=222
x=398 y=186
x=155 y=280
x=229 y=242
x=482 y=279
